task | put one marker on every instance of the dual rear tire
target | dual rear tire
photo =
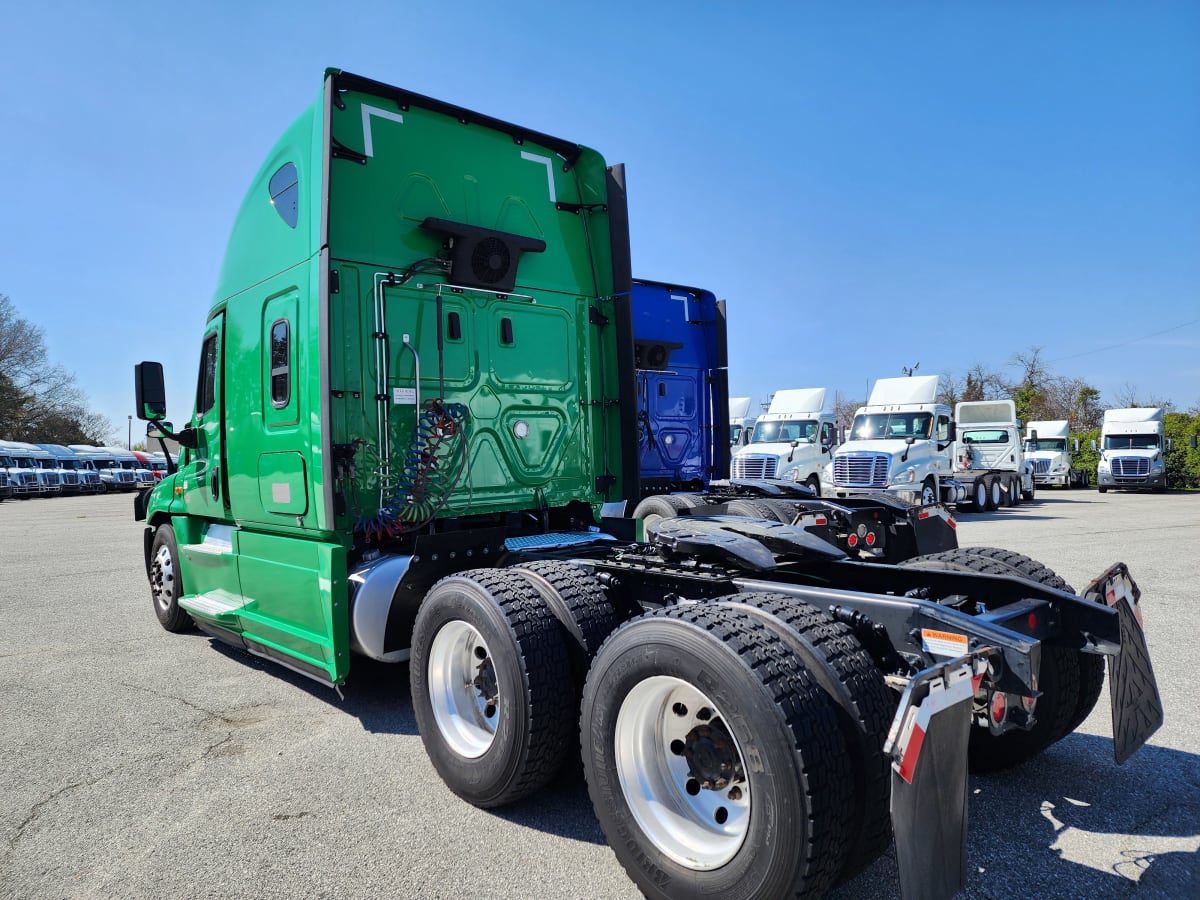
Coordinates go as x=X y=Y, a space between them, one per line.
x=729 y=746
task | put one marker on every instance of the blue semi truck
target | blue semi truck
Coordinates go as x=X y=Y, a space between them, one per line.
x=682 y=386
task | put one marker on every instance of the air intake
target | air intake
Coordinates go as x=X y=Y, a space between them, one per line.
x=483 y=257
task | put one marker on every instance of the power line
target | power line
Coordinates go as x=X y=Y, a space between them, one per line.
x=1126 y=343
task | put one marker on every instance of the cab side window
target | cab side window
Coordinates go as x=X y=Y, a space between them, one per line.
x=206 y=387
x=281 y=369
x=943 y=427
x=285 y=194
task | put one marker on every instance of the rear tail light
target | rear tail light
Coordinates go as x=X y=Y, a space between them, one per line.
x=998 y=707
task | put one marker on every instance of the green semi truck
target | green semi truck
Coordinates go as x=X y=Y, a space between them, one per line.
x=413 y=440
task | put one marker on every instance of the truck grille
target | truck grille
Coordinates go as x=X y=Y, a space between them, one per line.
x=70 y=478
x=52 y=479
x=1130 y=466
x=866 y=470
x=749 y=466
x=124 y=475
x=3 y=479
x=1041 y=466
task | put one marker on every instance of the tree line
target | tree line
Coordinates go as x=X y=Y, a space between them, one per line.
x=40 y=402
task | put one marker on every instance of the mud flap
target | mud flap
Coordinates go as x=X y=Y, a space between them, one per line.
x=1137 y=709
x=933 y=528
x=928 y=746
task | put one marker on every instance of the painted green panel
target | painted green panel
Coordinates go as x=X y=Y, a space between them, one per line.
x=282 y=483
x=298 y=594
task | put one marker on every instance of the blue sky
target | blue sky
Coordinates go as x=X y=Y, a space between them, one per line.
x=869 y=185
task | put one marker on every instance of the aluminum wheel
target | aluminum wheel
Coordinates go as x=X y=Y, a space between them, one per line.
x=463 y=689
x=682 y=773
x=162 y=578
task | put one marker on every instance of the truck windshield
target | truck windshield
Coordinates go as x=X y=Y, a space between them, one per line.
x=25 y=463
x=891 y=426
x=1131 y=442
x=987 y=436
x=1057 y=444
x=803 y=430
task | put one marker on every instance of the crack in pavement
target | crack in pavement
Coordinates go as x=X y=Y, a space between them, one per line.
x=36 y=809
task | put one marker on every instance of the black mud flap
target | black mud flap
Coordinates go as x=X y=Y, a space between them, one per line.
x=140 y=503
x=1137 y=709
x=933 y=528
x=928 y=746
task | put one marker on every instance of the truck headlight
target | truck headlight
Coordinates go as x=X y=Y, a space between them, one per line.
x=906 y=476
x=1157 y=466
x=1102 y=465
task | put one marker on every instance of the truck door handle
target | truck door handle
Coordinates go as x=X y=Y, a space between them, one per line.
x=215 y=483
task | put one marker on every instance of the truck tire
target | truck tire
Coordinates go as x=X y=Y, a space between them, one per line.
x=661 y=506
x=995 y=493
x=1091 y=666
x=1028 y=494
x=1016 y=491
x=713 y=759
x=929 y=492
x=487 y=672
x=166 y=581
x=757 y=509
x=814 y=485
x=1059 y=678
x=581 y=606
x=864 y=705
x=980 y=495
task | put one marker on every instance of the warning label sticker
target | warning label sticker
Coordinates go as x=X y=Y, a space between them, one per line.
x=404 y=395
x=943 y=643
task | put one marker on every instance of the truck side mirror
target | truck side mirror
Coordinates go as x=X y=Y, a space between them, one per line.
x=1170 y=444
x=1192 y=442
x=1093 y=445
x=952 y=432
x=1075 y=445
x=1033 y=436
x=842 y=434
x=150 y=395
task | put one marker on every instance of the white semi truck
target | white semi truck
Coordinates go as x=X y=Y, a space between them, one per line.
x=792 y=441
x=904 y=441
x=1049 y=448
x=988 y=455
x=1132 y=450
x=741 y=423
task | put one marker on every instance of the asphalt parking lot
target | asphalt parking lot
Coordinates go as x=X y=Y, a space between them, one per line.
x=138 y=763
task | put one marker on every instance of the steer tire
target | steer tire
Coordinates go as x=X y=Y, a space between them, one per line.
x=1059 y=678
x=661 y=506
x=681 y=692
x=865 y=708
x=166 y=581
x=491 y=623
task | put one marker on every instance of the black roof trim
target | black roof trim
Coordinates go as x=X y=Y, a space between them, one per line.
x=345 y=81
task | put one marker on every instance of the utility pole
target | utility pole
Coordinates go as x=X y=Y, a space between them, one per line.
x=129 y=435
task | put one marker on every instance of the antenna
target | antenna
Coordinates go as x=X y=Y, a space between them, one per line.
x=908 y=371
